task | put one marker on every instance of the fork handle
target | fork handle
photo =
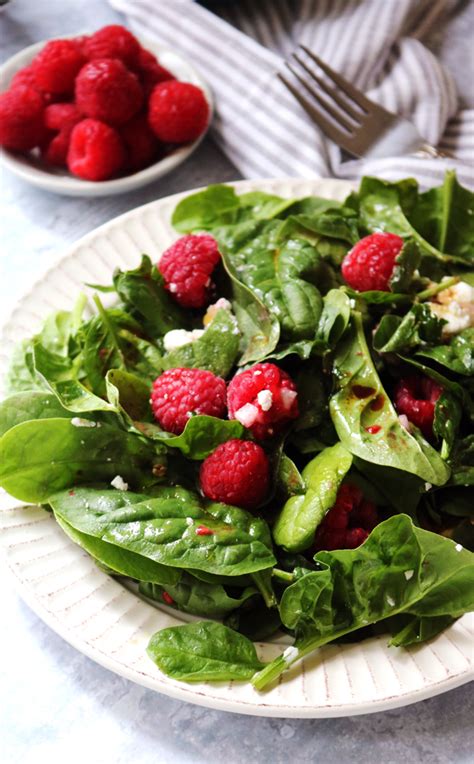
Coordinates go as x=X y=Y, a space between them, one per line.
x=427 y=151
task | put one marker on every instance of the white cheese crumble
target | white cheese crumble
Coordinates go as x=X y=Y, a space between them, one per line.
x=456 y=306
x=287 y=397
x=290 y=654
x=221 y=304
x=428 y=486
x=458 y=547
x=405 y=422
x=176 y=338
x=265 y=399
x=189 y=521
x=77 y=421
x=409 y=574
x=390 y=601
x=119 y=483
x=247 y=414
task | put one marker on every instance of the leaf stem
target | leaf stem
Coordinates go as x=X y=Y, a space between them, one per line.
x=109 y=326
x=283 y=575
x=434 y=290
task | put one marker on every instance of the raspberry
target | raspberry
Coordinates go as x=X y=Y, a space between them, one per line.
x=21 y=118
x=179 y=393
x=415 y=397
x=178 y=112
x=237 y=472
x=369 y=265
x=140 y=142
x=348 y=522
x=95 y=150
x=113 y=41
x=106 y=90
x=150 y=71
x=263 y=398
x=187 y=266
x=57 y=65
x=60 y=117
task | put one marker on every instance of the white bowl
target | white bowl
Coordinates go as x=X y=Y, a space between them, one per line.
x=32 y=169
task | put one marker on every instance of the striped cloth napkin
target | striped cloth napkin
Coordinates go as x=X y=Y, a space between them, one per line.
x=376 y=44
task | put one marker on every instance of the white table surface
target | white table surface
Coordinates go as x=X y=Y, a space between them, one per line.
x=55 y=704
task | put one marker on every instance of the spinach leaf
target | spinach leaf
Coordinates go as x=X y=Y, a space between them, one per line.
x=457 y=356
x=462 y=462
x=111 y=340
x=412 y=629
x=42 y=456
x=444 y=216
x=391 y=206
x=281 y=274
x=418 y=327
x=364 y=417
x=168 y=528
x=203 y=651
x=197 y=597
x=334 y=319
x=406 y=263
x=200 y=437
x=400 y=490
x=260 y=329
x=71 y=394
x=215 y=351
x=22 y=407
x=128 y=392
x=398 y=569
x=121 y=561
x=142 y=290
x=447 y=418
x=21 y=375
x=205 y=209
x=289 y=479
x=297 y=522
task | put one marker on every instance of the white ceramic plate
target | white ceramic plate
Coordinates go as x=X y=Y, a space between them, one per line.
x=36 y=172
x=110 y=623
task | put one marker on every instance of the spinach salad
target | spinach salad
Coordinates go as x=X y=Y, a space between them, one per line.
x=77 y=429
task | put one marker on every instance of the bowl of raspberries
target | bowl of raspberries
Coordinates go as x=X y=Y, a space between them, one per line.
x=99 y=114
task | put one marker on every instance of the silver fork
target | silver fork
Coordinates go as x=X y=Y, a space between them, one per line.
x=347 y=116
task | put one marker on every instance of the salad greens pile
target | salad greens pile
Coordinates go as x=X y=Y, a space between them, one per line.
x=77 y=419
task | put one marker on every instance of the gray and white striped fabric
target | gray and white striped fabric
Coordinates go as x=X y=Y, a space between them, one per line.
x=376 y=44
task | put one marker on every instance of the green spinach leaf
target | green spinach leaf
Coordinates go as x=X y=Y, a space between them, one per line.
x=200 y=437
x=364 y=417
x=203 y=651
x=175 y=527
x=297 y=522
x=216 y=350
x=197 y=597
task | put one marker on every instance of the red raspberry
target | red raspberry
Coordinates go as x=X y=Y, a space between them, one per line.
x=21 y=118
x=178 y=112
x=263 y=398
x=57 y=65
x=348 y=522
x=187 y=266
x=81 y=43
x=106 y=90
x=179 y=393
x=141 y=144
x=113 y=41
x=369 y=265
x=26 y=76
x=237 y=472
x=95 y=150
x=415 y=397
x=150 y=71
x=60 y=117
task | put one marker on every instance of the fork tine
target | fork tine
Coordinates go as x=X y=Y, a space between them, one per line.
x=337 y=116
x=326 y=126
x=331 y=92
x=358 y=97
